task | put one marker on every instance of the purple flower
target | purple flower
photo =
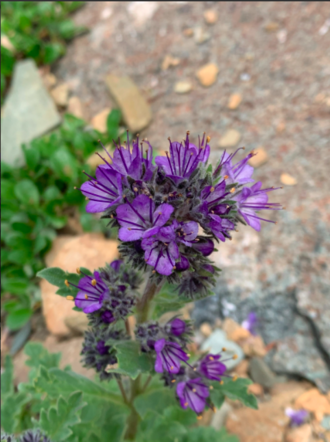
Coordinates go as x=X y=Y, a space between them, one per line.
x=204 y=245
x=141 y=219
x=252 y=199
x=185 y=232
x=212 y=368
x=183 y=158
x=169 y=356
x=102 y=348
x=250 y=323
x=298 y=417
x=193 y=394
x=116 y=264
x=178 y=327
x=213 y=208
x=108 y=317
x=240 y=173
x=104 y=191
x=91 y=294
x=161 y=250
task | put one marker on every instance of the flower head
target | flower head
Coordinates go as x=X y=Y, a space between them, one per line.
x=177 y=326
x=169 y=356
x=298 y=417
x=91 y=294
x=193 y=394
x=239 y=173
x=212 y=368
x=183 y=158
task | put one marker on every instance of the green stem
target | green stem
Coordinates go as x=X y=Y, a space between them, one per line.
x=143 y=305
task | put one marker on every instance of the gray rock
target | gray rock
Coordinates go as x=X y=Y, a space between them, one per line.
x=217 y=341
x=28 y=113
x=220 y=416
x=261 y=373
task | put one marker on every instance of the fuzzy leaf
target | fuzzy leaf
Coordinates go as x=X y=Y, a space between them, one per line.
x=11 y=408
x=207 y=434
x=154 y=400
x=235 y=390
x=39 y=356
x=159 y=428
x=56 y=422
x=131 y=361
x=7 y=386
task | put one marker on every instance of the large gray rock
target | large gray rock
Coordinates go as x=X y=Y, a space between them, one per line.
x=29 y=112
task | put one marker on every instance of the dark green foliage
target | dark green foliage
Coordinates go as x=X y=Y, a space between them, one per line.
x=37 y=30
x=36 y=201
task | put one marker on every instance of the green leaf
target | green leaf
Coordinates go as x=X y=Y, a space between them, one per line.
x=160 y=429
x=7 y=190
x=11 y=408
x=53 y=51
x=27 y=192
x=22 y=227
x=7 y=61
x=155 y=400
x=39 y=356
x=64 y=164
x=207 y=434
x=178 y=414
x=20 y=256
x=236 y=390
x=17 y=318
x=32 y=157
x=52 y=193
x=17 y=286
x=7 y=378
x=113 y=121
x=57 y=422
x=54 y=275
x=131 y=361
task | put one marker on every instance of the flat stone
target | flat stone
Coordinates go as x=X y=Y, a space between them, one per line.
x=234 y=331
x=234 y=101
x=253 y=346
x=230 y=138
x=217 y=341
x=60 y=95
x=220 y=416
x=210 y=16
x=315 y=402
x=242 y=368
x=182 y=87
x=261 y=373
x=207 y=74
x=135 y=109
x=99 y=121
x=259 y=158
x=29 y=112
x=300 y=434
x=90 y=250
x=288 y=179
x=76 y=108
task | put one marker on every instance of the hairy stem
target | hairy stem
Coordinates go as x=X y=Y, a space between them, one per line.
x=122 y=390
x=143 y=305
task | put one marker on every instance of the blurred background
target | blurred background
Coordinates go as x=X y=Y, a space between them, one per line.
x=253 y=74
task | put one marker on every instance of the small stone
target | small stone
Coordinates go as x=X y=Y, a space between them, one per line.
x=182 y=87
x=256 y=389
x=90 y=250
x=206 y=329
x=234 y=331
x=271 y=26
x=201 y=36
x=230 y=138
x=260 y=158
x=280 y=127
x=6 y=43
x=75 y=107
x=253 y=346
x=207 y=74
x=315 y=402
x=288 y=180
x=135 y=109
x=281 y=35
x=261 y=373
x=217 y=341
x=28 y=113
x=49 y=80
x=210 y=16
x=169 y=61
x=299 y=434
x=234 y=101
x=189 y=32
x=99 y=121
x=60 y=95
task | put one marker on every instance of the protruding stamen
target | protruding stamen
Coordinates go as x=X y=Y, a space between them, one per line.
x=224 y=349
x=70 y=298
x=66 y=282
x=78 y=270
x=94 y=282
x=208 y=139
x=232 y=190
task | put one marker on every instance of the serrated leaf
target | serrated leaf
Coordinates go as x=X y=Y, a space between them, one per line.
x=7 y=386
x=178 y=414
x=159 y=428
x=11 y=408
x=237 y=390
x=39 y=356
x=57 y=422
x=131 y=361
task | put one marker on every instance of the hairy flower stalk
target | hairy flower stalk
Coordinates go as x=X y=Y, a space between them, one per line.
x=170 y=213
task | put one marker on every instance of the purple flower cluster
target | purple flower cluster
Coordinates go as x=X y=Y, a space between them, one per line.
x=159 y=207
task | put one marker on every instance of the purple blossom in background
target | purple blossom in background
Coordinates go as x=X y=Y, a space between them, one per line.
x=251 y=199
x=141 y=219
x=193 y=394
x=102 y=348
x=298 y=417
x=178 y=327
x=251 y=323
x=91 y=294
x=211 y=367
x=104 y=191
x=240 y=173
x=183 y=158
x=169 y=356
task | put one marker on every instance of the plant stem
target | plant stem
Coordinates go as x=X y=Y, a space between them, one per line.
x=143 y=305
x=146 y=383
x=122 y=390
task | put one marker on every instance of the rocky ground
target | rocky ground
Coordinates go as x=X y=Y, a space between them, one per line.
x=253 y=74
